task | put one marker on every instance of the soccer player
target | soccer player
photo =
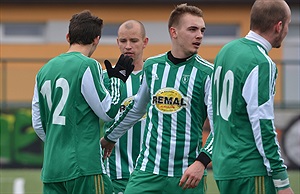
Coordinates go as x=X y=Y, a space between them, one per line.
x=173 y=93
x=246 y=154
x=69 y=98
x=131 y=41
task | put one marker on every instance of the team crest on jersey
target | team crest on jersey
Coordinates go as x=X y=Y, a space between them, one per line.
x=155 y=77
x=169 y=100
x=185 y=78
x=125 y=103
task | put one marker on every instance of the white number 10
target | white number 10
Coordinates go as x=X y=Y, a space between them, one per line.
x=46 y=92
x=224 y=108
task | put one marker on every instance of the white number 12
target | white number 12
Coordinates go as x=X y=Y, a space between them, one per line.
x=46 y=92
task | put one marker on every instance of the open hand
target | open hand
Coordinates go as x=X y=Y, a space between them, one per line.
x=192 y=175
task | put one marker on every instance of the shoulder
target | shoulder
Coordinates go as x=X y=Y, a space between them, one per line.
x=92 y=61
x=203 y=64
x=105 y=74
x=237 y=45
x=84 y=60
x=161 y=58
x=241 y=49
x=49 y=65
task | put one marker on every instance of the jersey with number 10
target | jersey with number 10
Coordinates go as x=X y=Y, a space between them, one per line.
x=243 y=89
x=175 y=99
x=69 y=99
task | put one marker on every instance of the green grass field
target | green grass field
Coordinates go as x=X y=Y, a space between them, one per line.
x=30 y=182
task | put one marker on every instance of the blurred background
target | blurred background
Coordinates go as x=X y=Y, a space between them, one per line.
x=34 y=31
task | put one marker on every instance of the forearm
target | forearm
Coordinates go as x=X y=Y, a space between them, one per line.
x=129 y=117
x=116 y=88
x=36 y=117
x=101 y=102
x=132 y=114
x=206 y=152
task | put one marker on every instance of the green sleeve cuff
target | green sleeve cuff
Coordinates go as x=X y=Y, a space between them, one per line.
x=281 y=180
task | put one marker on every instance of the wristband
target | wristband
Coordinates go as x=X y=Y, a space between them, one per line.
x=204 y=159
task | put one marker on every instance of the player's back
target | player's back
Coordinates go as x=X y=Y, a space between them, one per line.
x=235 y=149
x=71 y=126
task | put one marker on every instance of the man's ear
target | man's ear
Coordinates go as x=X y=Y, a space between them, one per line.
x=173 y=32
x=68 y=37
x=278 y=27
x=146 y=39
x=96 y=40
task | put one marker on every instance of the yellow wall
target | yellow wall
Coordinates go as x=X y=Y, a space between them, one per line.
x=20 y=75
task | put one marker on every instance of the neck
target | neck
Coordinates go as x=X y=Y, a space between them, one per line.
x=84 y=49
x=176 y=60
x=259 y=38
x=138 y=65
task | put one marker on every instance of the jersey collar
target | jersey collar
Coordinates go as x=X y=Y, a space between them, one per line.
x=259 y=39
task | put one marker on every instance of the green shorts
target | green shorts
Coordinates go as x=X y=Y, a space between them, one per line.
x=141 y=182
x=94 y=184
x=119 y=185
x=249 y=185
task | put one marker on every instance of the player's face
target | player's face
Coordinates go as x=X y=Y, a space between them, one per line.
x=131 y=42
x=190 y=32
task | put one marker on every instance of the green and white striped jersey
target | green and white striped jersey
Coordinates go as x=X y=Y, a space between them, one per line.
x=69 y=98
x=122 y=160
x=243 y=88
x=175 y=99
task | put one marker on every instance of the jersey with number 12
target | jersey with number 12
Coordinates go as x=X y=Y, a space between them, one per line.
x=71 y=97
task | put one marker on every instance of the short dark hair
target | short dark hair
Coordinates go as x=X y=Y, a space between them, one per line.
x=84 y=28
x=264 y=14
x=180 y=10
